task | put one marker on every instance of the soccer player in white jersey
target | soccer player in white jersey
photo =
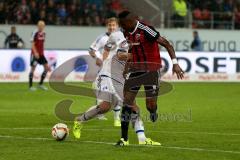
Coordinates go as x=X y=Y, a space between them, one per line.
x=95 y=51
x=109 y=85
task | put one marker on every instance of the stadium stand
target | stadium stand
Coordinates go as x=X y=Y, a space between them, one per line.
x=58 y=12
x=215 y=14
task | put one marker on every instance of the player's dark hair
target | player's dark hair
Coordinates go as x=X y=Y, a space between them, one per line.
x=123 y=14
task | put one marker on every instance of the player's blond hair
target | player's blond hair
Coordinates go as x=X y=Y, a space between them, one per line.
x=112 y=19
x=41 y=22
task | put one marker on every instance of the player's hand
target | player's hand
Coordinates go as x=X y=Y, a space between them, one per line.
x=130 y=56
x=36 y=55
x=99 y=62
x=178 y=70
x=125 y=73
x=131 y=44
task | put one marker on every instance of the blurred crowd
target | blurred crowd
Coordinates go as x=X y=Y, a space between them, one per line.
x=58 y=12
x=220 y=14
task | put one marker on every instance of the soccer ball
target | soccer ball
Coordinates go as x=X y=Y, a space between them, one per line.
x=60 y=131
x=19 y=45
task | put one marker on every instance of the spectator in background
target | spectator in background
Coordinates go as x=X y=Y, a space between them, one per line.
x=34 y=12
x=72 y=13
x=13 y=41
x=2 y=13
x=218 y=16
x=50 y=9
x=50 y=19
x=62 y=12
x=94 y=15
x=98 y=3
x=110 y=13
x=42 y=15
x=58 y=12
x=228 y=8
x=201 y=16
x=196 y=43
x=180 y=12
x=116 y=6
x=23 y=13
x=237 y=16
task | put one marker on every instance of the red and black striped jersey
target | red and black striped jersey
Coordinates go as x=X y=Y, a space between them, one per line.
x=145 y=50
x=38 y=38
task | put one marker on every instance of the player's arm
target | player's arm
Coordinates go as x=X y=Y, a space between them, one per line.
x=35 y=52
x=122 y=52
x=92 y=52
x=176 y=68
x=105 y=54
x=124 y=56
x=153 y=35
x=95 y=46
x=34 y=48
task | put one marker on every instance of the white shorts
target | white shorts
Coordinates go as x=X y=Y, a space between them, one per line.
x=107 y=89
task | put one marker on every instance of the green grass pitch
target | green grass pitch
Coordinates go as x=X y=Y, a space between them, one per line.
x=199 y=121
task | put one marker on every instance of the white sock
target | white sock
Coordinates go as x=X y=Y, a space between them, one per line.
x=139 y=129
x=98 y=115
x=89 y=114
x=117 y=112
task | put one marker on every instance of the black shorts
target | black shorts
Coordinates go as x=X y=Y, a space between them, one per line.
x=150 y=81
x=41 y=60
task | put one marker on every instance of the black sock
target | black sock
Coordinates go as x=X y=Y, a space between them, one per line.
x=153 y=113
x=30 y=79
x=125 y=118
x=43 y=77
x=152 y=109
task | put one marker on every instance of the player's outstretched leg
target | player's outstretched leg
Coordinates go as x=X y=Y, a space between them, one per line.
x=99 y=116
x=90 y=114
x=117 y=113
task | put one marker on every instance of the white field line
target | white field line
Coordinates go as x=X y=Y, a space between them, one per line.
x=134 y=145
x=117 y=129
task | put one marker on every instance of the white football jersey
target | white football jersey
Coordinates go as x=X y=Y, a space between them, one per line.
x=112 y=66
x=99 y=43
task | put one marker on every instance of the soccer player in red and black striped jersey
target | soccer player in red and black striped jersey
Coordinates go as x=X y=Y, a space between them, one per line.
x=37 y=55
x=143 y=67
